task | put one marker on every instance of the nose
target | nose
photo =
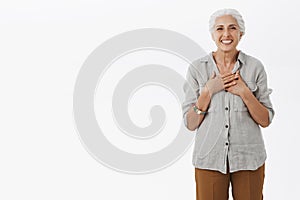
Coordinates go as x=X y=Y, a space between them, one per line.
x=226 y=32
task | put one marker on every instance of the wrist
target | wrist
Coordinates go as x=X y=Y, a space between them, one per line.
x=246 y=92
x=203 y=100
x=206 y=91
x=198 y=111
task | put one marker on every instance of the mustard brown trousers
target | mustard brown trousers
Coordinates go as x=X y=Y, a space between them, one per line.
x=245 y=184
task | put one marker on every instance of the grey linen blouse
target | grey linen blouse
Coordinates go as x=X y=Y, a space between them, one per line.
x=228 y=130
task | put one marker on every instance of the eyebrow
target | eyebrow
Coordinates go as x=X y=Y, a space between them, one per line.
x=223 y=25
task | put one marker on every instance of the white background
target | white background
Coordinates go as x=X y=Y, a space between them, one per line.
x=42 y=47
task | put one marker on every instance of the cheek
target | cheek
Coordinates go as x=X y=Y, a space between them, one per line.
x=214 y=37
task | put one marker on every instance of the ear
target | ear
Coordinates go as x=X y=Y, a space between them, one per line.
x=241 y=35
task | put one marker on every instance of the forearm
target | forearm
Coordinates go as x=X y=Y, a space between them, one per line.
x=193 y=119
x=258 y=112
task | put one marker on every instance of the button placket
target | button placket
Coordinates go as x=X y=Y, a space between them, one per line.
x=226 y=127
x=226 y=110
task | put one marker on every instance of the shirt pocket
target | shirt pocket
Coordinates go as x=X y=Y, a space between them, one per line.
x=239 y=105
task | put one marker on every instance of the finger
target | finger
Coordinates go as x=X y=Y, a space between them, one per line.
x=226 y=86
x=229 y=89
x=229 y=79
x=226 y=74
x=213 y=75
x=238 y=75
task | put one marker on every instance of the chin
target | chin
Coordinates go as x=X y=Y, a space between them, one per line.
x=227 y=49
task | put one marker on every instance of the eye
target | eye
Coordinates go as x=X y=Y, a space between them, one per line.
x=234 y=28
x=219 y=29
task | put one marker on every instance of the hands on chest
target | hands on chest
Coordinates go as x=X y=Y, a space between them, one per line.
x=230 y=82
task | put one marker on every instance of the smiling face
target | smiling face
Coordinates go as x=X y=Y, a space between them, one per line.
x=226 y=33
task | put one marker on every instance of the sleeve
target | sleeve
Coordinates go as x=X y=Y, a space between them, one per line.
x=263 y=92
x=192 y=89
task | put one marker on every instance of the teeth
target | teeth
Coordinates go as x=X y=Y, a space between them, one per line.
x=226 y=41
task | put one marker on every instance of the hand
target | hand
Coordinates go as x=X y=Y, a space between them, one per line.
x=217 y=83
x=239 y=87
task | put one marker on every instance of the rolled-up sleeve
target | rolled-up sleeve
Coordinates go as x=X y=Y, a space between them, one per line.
x=191 y=89
x=263 y=92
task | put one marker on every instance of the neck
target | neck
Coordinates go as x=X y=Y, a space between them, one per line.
x=226 y=59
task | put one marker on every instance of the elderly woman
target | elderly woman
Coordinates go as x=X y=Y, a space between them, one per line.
x=227 y=101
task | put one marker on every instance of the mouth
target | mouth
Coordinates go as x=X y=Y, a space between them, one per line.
x=226 y=42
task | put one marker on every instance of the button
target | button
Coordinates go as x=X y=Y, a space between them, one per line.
x=226 y=108
x=226 y=143
x=226 y=126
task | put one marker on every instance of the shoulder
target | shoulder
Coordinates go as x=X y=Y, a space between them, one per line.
x=252 y=63
x=201 y=66
x=200 y=62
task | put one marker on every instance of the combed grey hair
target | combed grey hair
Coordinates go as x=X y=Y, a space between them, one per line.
x=234 y=13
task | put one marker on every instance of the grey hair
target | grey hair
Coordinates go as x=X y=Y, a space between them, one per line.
x=234 y=13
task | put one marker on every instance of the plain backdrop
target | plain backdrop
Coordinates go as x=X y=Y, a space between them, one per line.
x=43 y=45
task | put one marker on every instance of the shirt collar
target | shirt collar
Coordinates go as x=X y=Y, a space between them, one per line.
x=241 y=57
x=209 y=58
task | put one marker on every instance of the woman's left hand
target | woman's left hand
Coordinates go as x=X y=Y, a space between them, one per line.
x=240 y=87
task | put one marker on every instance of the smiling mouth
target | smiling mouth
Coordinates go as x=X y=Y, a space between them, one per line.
x=226 y=42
